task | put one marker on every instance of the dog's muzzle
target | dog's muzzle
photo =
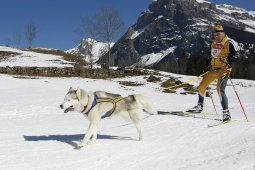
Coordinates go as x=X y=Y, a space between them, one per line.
x=67 y=109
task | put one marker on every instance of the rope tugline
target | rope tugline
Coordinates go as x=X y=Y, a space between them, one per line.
x=187 y=82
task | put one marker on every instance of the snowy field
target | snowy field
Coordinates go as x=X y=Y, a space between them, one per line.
x=32 y=59
x=36 y=134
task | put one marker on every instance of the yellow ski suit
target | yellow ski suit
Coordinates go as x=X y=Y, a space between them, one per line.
x=219 y=69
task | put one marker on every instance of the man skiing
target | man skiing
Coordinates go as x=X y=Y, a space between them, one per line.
x=219 y=67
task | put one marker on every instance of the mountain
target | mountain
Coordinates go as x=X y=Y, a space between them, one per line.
x=174 y=36
x=89 y=47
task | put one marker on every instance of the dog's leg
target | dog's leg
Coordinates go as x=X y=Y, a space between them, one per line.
x=91 y=133
x=136 y=117
x=88 y=135
x=139 y=129
x=93 y=136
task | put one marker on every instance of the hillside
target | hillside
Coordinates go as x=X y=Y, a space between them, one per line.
x=55 y=63
x=14 y=57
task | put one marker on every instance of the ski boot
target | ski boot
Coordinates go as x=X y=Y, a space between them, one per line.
x=196 y=109
x=226 y=115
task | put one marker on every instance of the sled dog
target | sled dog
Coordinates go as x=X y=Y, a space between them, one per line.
x=99 y=104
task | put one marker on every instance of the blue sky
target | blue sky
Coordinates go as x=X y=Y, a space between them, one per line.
x=57 y=20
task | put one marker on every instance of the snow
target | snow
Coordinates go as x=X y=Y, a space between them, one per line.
x=250 y=30
x=230 y=9
x=199 y=22
x=160 y=16
x=202 y=1
x=225 y=17
x=32 y=59
x=36 y=134
x=250 y=23
x=153 y=58
x=136 y=34
x=252 y=13
x=97 y=49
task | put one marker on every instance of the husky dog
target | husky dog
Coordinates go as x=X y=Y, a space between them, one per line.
x=94 y=105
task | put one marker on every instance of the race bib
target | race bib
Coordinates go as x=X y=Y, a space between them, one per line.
x=216 y=49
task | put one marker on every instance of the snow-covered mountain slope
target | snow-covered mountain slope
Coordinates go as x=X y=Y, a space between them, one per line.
x=186 y=25
x=234 y=14
x=30 y=59
x=88 y=46
x=238 y=15
x=36 y=134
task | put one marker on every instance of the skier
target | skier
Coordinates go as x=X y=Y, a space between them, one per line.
x=223 y=50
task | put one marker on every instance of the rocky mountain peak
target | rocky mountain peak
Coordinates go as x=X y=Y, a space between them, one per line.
x=170 y=31
x=89 y=49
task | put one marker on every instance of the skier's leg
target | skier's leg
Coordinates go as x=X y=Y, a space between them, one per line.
x=221 y=86
x=206 y=81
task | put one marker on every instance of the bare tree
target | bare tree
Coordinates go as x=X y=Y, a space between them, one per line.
x=18 y=37
x=106 y=26
x=86 y=30
x=30 y=33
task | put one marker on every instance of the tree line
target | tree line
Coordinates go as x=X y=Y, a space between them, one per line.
x=30 y=34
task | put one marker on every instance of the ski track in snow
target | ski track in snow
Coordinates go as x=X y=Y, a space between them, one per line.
x=37 y=135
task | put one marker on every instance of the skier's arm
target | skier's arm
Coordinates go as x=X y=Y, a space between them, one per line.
x=208 y=61
x=234 y=53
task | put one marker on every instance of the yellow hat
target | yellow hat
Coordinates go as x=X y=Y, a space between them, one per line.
x=218 y=28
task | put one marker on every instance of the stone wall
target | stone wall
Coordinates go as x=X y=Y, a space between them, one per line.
x=70 y=72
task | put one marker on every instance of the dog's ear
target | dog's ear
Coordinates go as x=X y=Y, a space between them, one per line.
x=71 y=89
x=79 y=93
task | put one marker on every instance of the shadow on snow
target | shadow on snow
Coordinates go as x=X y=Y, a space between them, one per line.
x=70 y=139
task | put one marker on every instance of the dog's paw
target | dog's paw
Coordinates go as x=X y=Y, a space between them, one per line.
x=90 y=142
x=80 y=145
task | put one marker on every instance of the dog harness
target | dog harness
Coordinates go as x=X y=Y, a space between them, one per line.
x=101 y=100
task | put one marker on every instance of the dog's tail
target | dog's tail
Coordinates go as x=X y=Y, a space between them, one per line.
x=145 y=103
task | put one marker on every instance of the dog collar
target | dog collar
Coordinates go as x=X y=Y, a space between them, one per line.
x=85 y=107
x=93 y=104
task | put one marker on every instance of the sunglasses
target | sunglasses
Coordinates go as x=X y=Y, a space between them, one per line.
x=217 y=33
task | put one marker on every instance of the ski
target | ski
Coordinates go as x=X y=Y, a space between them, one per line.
x=183 y=113
x=220 y=123
x=201 y=115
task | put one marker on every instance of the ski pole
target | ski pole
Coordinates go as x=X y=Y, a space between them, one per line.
x=210 y=94
x=238 y=98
